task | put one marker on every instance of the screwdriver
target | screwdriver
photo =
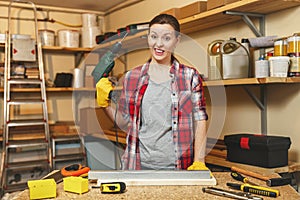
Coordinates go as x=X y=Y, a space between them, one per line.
x=254 y=189
x=240 y=177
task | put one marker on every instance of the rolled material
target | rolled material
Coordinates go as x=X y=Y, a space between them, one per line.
x=78 y=78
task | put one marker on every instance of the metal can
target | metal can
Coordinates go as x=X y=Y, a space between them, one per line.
x=294 y=70
x=293 y=44
x=47 y=37
x=280 y=47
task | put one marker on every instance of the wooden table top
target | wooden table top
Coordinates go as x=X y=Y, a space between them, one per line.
x=167 y=192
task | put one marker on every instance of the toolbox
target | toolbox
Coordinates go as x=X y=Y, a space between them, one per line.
x=258 y=150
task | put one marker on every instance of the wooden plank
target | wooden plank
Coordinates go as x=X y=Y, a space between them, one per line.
x=202 y=21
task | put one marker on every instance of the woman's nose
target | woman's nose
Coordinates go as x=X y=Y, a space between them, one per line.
x=159 y=42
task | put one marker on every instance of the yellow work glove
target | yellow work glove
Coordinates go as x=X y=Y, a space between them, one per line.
x=104 y=86
x=197 y=165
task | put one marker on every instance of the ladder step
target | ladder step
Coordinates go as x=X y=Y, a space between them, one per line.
x=27 y=146
x=30 y=122
x=16 y=187
x=27 y=164
x=25 y=101
x=69 y=157
x=24 y=81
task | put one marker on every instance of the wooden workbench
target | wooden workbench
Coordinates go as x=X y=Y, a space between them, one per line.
x=165 y=192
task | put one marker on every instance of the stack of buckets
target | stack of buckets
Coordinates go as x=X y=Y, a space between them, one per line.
x=90 y=30
x=287 y=52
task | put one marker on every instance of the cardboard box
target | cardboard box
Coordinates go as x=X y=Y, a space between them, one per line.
x=211 y=4
x=193 y=9
x=94 y=120
x=89 y=82
x=258 y=150
x=173 y=11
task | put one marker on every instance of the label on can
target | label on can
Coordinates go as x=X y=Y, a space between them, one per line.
x=294 y=66
x=280 y=48
x=293 y=44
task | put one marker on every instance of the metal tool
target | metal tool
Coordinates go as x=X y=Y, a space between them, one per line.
x=231 y=194
x=154 y=177
x=254 y=189
x=239 y=177
x=269 y=181
x=113 y=187
x=107 y=63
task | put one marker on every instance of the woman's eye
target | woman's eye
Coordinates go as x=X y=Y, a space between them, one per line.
x=153 y=37
x=167 y=38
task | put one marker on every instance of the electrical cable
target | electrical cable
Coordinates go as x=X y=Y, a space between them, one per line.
x=64 y=24
x=117 y=134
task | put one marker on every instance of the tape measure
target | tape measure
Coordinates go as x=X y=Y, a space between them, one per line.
x=113 y=187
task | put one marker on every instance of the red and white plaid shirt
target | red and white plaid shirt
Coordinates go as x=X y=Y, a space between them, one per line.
x=188 y=105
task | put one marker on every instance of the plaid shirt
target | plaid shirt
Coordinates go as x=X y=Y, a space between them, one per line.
x=188 y=104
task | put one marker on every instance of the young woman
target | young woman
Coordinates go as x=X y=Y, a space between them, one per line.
x=162 y=104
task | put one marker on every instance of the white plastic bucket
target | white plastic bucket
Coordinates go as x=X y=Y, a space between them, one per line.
x=68 y=38
x=89 y=34
x=261 y=68
x=279 y=66
x=47 y=37
x=89 y=20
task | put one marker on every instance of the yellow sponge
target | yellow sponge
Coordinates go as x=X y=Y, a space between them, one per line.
x=40 y=189
x=76 y=184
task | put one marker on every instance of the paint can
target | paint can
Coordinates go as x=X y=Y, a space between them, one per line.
x=279 y=66
x=68 y=38
x=293 y=44
x=47 y=37
x=280 y=47
x=294 y=70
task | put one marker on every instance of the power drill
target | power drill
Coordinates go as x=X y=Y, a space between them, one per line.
x=107 y=63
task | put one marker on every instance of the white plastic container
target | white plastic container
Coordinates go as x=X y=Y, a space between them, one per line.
x=89 y=34
x=279 y=66
x=68 y=38
x=261 y=68
x=47 y=37
x=89 y=20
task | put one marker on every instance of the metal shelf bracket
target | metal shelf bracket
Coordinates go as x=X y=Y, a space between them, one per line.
x=261 y=104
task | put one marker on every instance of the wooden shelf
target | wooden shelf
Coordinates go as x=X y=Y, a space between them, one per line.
x=252 y=81
x=244 y=81
x=216 y=17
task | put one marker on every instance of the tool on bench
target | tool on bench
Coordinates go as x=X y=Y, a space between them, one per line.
x=75 y=170
x=113 y=187
x=239 y=177
x=269 y=181
x=254 y=189
x=231 y=194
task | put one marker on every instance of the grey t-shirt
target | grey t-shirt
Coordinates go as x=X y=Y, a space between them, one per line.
x=156 y=140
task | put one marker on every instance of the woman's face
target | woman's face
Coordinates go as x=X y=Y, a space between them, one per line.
x=162 y=41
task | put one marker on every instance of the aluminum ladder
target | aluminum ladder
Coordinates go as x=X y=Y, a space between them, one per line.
x=11 y=165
